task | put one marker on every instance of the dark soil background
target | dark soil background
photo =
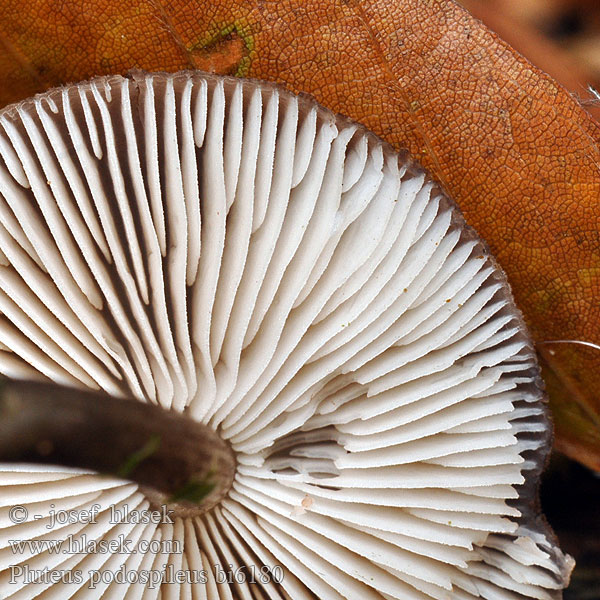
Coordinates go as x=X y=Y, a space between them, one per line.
x=571 y=501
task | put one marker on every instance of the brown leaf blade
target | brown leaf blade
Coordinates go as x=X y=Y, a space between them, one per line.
x=514 y=149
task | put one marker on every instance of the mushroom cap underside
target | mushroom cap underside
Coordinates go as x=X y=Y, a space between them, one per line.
x=226 y=249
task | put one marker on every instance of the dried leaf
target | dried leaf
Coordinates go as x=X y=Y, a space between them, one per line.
x=508 y=143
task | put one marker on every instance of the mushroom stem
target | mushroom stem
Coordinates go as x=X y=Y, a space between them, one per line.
x=179 y=460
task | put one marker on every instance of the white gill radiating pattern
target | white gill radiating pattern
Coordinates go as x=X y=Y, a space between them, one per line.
x=225 y=248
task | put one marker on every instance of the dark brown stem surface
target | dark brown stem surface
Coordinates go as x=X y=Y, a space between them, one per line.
x=178 y=460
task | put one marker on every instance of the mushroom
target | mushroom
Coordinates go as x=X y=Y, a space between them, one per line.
x=228 y=251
